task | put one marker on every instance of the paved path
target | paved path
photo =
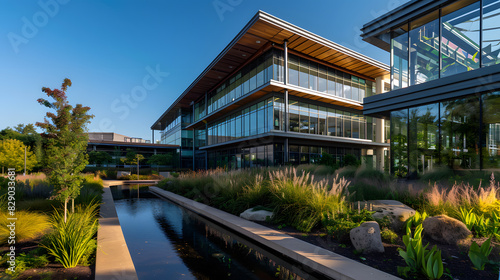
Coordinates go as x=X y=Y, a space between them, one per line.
x=113 y=261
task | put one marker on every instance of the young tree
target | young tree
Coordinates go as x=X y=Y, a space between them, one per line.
x=12 y=155
x=131 y=158
x=160 y=159
x=99 y=157
x=66 y=143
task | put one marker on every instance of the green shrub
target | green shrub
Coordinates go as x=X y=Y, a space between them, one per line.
x=389 y=236
x=28 y=225
x=347 y=172
x=71 y=241
x=437 y=175
x=40 y=205
x=33 y=259
x=340 y=224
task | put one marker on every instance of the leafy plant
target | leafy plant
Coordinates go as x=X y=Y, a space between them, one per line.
x=415 y=221
x=415 y=251
x=24 y=261
x=469 y=218
x=432 y=264
x=479 y=255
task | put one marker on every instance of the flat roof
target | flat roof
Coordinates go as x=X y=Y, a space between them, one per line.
x=131 y=144
x=262 y=30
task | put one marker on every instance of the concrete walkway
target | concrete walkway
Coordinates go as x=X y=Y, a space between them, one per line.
x=310 y=256
x=113 y=260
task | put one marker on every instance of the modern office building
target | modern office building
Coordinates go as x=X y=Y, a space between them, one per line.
x=278 y=94
x=117 y=146
x=444 y=103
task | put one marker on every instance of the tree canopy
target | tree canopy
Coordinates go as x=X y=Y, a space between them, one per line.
x=12 y=155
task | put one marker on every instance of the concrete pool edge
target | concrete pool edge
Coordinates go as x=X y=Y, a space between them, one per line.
x=325 y=262
x=113 y=260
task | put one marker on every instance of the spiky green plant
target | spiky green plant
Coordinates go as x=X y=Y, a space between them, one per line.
x=71 y=240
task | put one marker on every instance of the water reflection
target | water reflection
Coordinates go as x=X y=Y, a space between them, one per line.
x=168 y=242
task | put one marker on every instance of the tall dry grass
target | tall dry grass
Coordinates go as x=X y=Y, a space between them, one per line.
x=449 y=201
x=302 y=201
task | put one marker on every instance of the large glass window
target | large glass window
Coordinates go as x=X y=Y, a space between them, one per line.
x=293 y=70
x=304 y=117
x=491 y=32
x=294 y=115
x=399 y=142
x=459 y=39
x=424 y=49
x=460 y=133
x=491 y=128
x=399 y=55
x=424 y=135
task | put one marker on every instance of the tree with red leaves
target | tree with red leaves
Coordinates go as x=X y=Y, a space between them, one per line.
x=66 y=143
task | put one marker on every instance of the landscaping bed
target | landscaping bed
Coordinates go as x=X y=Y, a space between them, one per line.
x=48 y=244
x=312 y=204
x=456 y=260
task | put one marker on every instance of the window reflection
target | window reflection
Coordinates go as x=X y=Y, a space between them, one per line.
x=460 y=39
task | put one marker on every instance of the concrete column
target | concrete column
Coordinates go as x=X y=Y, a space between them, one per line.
x=285 y=73
x=153 y=136
x=379 y=85
x=285 y=152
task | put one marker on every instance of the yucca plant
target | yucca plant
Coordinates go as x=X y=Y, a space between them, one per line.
x=70 y=240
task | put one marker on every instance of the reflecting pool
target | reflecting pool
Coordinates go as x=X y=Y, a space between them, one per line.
x=169 y=242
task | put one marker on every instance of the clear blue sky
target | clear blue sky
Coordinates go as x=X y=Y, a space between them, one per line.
x=107 y=47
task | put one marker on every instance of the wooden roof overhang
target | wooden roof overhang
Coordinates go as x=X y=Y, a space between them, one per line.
x=261 y=31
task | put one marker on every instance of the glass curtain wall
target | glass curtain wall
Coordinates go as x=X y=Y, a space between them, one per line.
x=424 y=49
x=255 y=119
x=314 y=76
x=460 y=38
x=491 y=130
x=399 y=142
x=491 y=33
x=462 y=134
x=319 y=120
x=440 y=47
x=424 y=137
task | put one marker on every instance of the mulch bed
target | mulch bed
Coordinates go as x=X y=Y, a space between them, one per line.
x=455 y=258
x=51 y=271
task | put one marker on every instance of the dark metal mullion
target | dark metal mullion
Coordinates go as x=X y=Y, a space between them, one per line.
x=440 y=30
x=481 y=132
x=481 y=34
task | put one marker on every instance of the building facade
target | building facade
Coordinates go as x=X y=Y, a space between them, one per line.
x=278 y=94
x=445 y=84
x=116 y=146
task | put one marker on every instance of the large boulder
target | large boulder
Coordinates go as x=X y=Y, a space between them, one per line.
x=396 y=211
x=259 y=215
x=445 y=229
x=366 y=238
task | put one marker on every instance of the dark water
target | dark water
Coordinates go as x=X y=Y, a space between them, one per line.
x=168 y=242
